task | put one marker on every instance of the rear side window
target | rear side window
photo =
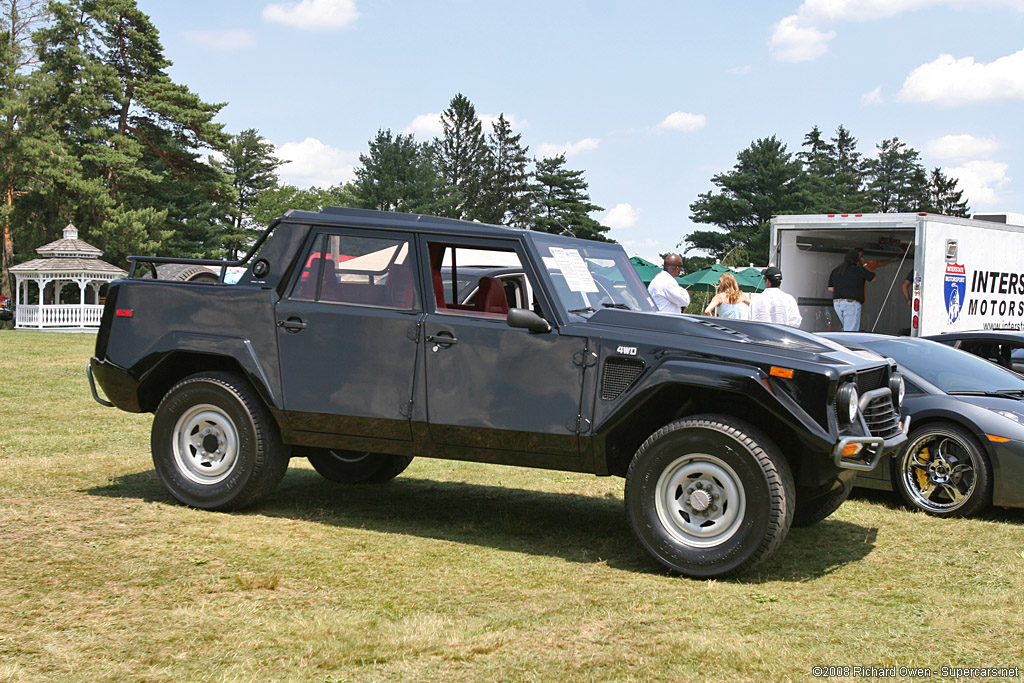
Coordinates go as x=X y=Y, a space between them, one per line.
x=362 y=271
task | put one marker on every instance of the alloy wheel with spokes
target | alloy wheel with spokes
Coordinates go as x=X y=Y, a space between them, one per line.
x=943 y=471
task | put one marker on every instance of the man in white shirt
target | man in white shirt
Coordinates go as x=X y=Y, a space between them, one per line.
x=773 y=305
x=668 y=296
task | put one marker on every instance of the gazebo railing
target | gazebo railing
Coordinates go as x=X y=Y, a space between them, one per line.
x=63 y=316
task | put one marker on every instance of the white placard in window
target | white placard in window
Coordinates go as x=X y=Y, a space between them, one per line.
x=574 y=268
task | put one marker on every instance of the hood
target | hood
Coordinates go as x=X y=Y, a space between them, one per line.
x=721 y=329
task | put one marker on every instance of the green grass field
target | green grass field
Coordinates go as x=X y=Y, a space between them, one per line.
x=452 y=572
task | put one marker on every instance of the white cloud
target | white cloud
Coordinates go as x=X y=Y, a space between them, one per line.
x=683 y=121
x=873 y=97
x=313 y=15
x=952 y=82
x=980 y=181
x=960 y=147
x=569 y=149
x=427 y=126
x=311 y=162
x=620 y=217
x=739 y=70
x=804 y=36
x=227 y=40
x=795 y=40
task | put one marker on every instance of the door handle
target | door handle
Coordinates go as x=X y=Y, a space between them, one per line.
x=441 y=341
x=292 y=324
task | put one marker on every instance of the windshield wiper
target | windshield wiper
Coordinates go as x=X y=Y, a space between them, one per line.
x=588 y=309
x=1011 y=392
x=617 y=305
x=999 y=393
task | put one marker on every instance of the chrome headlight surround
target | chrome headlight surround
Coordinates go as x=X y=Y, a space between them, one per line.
x=898 y=387
x=847 y=403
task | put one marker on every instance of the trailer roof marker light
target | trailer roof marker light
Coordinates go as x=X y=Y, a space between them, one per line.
x=124 y=313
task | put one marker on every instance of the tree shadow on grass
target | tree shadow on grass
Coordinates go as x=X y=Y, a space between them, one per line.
x=576 y=528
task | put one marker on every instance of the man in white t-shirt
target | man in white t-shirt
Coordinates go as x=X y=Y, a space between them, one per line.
x=668 y=296
x=773 y=305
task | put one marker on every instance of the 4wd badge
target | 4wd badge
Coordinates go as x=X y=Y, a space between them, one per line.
x=626 y=350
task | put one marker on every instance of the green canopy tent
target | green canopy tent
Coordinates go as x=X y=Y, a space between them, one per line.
x=706 y=279
x=750 y=280
x=645 y=270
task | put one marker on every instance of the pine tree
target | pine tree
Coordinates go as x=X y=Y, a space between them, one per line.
x=397 y=174
x=766 y=181
x=505 y=198
x=944 y=197
x=138 y=139
x=561 y=202
x=461 y=156
x=848 y=174
x=898 y=182
x=30 y=146
x=252 y=165
x=818 y=159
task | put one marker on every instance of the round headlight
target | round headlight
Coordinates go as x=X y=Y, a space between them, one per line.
x=898 y=388
x=846 y=403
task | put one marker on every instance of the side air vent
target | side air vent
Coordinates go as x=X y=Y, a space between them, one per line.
x=619 y=373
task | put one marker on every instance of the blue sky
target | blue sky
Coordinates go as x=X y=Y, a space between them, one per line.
x=649 y=99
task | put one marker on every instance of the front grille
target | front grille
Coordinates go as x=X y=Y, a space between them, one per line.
x=869 y=380
x=619 y=373
x=881 y=418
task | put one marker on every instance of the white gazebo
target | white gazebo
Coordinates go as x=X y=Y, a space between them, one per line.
x=46 y=296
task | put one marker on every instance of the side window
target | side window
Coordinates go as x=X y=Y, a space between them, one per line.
x=476 y=281
x=364 y=271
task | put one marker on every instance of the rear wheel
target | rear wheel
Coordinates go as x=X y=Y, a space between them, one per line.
x=709 y=496
x=215 y=445
x=943 y=471
x=356 y=467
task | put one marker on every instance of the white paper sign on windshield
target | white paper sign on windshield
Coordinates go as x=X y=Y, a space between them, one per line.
x=574 y=268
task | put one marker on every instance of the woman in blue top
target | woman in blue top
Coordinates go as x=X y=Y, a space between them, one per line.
x=730 y=302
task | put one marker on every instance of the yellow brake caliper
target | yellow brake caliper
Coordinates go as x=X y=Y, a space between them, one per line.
x=921 y=473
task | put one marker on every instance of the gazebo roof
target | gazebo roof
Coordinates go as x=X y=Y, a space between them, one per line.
x=70 y=245
x=52 y=264
x=67 y=255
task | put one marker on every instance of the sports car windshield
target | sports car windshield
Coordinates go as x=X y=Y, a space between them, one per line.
x=949 y=369
x=589 y=276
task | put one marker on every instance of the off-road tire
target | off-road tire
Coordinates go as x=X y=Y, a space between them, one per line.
x=811 y=510
x=738 y=469
x=215 y=445
x=356 y=467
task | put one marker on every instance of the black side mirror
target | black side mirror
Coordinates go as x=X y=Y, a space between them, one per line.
x=527 y=320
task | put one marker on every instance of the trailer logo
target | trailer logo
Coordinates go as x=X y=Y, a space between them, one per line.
x=955 y=289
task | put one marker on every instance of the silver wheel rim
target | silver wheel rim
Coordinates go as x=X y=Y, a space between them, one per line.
x=938 y=472
x=350 y=456
x=700 y=501
x=205 y=444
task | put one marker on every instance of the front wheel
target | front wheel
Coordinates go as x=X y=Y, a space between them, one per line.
x=356 y=467
x=215 y=445
x=816 y=506
x=943 y=472
x=709 y=496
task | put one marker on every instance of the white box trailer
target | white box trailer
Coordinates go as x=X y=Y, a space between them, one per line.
x=968 y=273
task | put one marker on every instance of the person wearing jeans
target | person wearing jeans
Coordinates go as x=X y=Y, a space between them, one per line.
x=847 y=283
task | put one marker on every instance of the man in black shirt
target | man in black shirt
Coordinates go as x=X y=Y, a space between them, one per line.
x=847 y=284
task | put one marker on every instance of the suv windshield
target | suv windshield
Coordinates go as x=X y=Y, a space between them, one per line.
x=947 y=368
x=588 y=276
